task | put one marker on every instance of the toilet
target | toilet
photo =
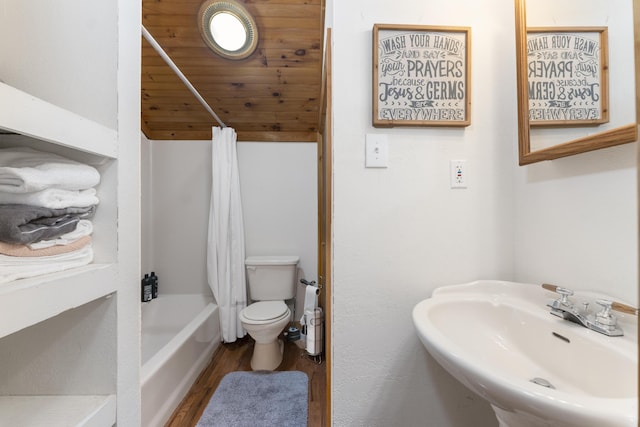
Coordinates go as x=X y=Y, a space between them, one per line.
x=272 y=281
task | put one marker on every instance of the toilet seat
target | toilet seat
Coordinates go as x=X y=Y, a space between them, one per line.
x=264 y=312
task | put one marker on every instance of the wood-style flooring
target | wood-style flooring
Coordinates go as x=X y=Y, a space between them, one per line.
x=237 y=357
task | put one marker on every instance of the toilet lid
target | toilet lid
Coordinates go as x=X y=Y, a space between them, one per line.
x=265 y=310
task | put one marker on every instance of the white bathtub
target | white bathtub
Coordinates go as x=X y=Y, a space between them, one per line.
x=179 y=335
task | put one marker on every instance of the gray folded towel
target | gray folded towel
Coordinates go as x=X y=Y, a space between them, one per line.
x=28 y=224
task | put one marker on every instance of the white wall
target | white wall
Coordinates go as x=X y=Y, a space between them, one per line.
x=577 y=223
x=400 y=232
x=63 y=69
x=179 y=191
x=279 y=192
x=146 y=205
x=279 y=199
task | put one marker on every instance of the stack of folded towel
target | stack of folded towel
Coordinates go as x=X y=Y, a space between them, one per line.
x=46 y=203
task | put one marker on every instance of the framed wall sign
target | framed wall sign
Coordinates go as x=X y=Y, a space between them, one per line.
x=421 y=75
x=567 y=76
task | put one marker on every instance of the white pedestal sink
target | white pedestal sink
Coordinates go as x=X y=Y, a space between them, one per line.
x=499 y=339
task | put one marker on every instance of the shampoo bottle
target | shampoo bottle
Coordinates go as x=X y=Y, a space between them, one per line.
x=146 y=288
x=154 y=285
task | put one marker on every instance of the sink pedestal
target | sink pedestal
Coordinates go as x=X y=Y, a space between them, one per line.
x=512 y=419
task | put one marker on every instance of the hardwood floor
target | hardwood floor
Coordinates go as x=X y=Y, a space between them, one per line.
x=236 y=357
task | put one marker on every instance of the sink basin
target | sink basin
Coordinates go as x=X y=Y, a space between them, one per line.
x=535 y=369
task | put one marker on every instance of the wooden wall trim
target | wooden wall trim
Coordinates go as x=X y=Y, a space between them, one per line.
x=328 y=215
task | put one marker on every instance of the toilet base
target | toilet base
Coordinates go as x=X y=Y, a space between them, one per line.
x=267 y=357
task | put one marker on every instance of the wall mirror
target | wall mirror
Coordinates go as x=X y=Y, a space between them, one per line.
x=564 y=73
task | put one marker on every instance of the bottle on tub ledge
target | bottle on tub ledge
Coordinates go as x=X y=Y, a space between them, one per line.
x=154 y=285
x=146 y=289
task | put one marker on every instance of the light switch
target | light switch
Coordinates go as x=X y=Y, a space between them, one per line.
x=376 y=150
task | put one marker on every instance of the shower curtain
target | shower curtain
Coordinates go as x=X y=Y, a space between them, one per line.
x=225 y=243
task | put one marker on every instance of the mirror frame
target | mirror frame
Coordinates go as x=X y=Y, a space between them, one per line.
x=609 y=138
x=636 y=36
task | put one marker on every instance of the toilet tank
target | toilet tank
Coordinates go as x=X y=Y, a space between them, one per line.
x=272 y=278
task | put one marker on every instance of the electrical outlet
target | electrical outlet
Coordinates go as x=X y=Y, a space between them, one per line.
x=458 y=170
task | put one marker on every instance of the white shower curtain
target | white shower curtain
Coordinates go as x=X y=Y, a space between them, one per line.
x=225 y=243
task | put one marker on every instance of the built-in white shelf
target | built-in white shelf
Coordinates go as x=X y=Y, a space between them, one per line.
x=28 y=115
x=58 y=411
x=70 y=340
x=26 y=302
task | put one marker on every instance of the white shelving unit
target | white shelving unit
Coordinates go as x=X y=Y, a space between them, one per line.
x=69 y=341
x=23 y=113
x=58 y=411
x=40 y=300
x=49 y=295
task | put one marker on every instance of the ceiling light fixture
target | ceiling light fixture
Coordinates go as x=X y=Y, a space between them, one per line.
x=227 y=28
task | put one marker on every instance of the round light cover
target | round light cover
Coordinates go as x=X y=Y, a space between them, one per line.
x=227 y=28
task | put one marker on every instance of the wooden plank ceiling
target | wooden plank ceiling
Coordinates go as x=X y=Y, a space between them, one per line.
x=273 y=95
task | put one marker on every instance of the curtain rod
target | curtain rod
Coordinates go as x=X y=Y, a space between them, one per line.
x=176 y=70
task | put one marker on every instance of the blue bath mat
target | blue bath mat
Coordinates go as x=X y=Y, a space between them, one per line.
x=259 y=399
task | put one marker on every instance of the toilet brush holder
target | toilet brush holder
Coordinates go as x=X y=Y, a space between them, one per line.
x=293 y=333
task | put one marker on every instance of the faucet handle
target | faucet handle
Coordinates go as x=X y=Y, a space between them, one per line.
x=564 y=295
x=604 y=317
x=606 y=305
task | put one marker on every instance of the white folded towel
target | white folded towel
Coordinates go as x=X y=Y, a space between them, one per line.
x=13 y=268
x=84 y=228
x=53 y=198
x=24 y=170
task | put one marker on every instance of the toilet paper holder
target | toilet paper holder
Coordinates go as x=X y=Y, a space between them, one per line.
x=311 y=283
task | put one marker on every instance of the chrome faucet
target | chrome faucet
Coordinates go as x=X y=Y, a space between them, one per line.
x=603 y=321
